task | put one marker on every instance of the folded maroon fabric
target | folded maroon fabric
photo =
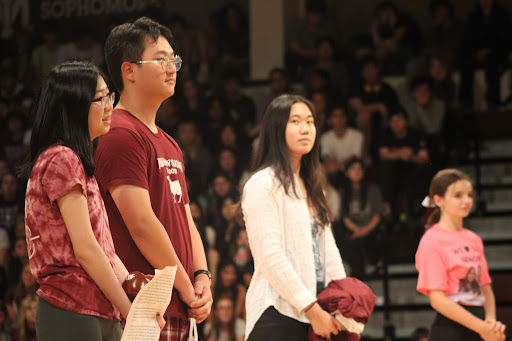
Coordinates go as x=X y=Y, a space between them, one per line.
x=352 y=298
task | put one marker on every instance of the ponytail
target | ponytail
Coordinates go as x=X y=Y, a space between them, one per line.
x=433 y=217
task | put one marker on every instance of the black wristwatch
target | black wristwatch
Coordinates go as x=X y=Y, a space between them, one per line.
x=206 y=272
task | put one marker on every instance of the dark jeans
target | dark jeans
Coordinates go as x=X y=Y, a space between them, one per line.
x=444 y=329
x=55 y=324
x=274 y=326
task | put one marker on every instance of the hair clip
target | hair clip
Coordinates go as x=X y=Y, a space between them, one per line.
x=428 y=202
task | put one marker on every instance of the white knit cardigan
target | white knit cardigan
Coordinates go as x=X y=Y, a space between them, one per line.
x=279 y=231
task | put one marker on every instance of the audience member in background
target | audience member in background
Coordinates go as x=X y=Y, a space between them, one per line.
x=442 y=38
x=443 y=35
x=427 y=114
x=230 y=138
x=27 y=285
x=224 y=325
x=212 y=126
x=228 y=163
x=27 y=319
x=325 y=60
x=11 y=203
x=443 y=86
x=44 y=56
x=279 y=83
x=372 y=99
x=14 y=94
x=322 y=103
x=5 y=327
x=191 y=143
x=340 y=144
x=184 y=37
x=486 y=44
x=17 y=261
x=319 y=81
x=420 y=334
x=241 y=109
x=227 y=231
x=5 y=246
x=169 y=116
x=193 y=103
x=233 y=43
x=83 y=46
x=4 y=168
x=13 y=142
x=403 y=165
x=221 y=187
x=240 y=253
x=22 y=52
x=301 y=49
x=396 y=37
x=362 y=210
x=228 y=284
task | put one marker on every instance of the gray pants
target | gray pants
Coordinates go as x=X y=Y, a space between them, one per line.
x=55 y=324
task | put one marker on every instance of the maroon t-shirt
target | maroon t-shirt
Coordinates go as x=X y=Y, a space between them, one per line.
x=63 y=282
x=130 y=154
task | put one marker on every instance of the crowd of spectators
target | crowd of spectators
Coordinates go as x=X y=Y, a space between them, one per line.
x=379 y=144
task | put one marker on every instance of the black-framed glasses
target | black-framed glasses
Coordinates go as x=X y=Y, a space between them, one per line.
x=106 y=100
x=165 y=62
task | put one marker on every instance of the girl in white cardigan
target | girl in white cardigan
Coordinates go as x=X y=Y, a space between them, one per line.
x=288 y=225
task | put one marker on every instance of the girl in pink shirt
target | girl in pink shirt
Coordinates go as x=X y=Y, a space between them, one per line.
x=452 y=269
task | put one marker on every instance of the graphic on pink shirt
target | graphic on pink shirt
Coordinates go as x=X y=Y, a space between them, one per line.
x=470 y=291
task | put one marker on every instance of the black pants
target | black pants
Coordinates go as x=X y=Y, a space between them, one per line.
x=274 y=326
x=444 y=329
x=55 y=324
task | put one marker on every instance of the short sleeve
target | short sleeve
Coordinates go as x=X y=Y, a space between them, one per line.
x=121 y=159
x=63 y=171
x=485 y=277
x=431 y=267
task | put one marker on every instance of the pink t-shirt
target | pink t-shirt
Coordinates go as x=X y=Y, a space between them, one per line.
x=130 y=154
x=63 y=282
x=453 y=262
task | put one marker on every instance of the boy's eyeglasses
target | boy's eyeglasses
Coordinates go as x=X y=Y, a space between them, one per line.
x=165 y=62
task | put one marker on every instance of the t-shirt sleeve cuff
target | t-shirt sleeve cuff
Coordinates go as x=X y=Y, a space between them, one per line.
x=134 y=182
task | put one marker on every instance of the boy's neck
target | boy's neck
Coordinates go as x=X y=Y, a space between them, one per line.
x=144 y=110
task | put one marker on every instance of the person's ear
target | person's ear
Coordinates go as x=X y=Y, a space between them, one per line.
x=127 y=71
x=438 y=200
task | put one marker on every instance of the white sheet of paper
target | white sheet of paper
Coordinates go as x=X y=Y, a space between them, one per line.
x=349 y=323
x=154 y=297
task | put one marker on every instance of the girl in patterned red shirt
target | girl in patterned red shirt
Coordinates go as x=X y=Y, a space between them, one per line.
x=70 y=247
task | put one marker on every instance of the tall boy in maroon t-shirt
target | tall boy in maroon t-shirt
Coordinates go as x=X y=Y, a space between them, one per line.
x=141 y=174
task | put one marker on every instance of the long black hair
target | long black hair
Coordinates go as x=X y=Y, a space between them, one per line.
x=61 y=113
x=273 y=152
